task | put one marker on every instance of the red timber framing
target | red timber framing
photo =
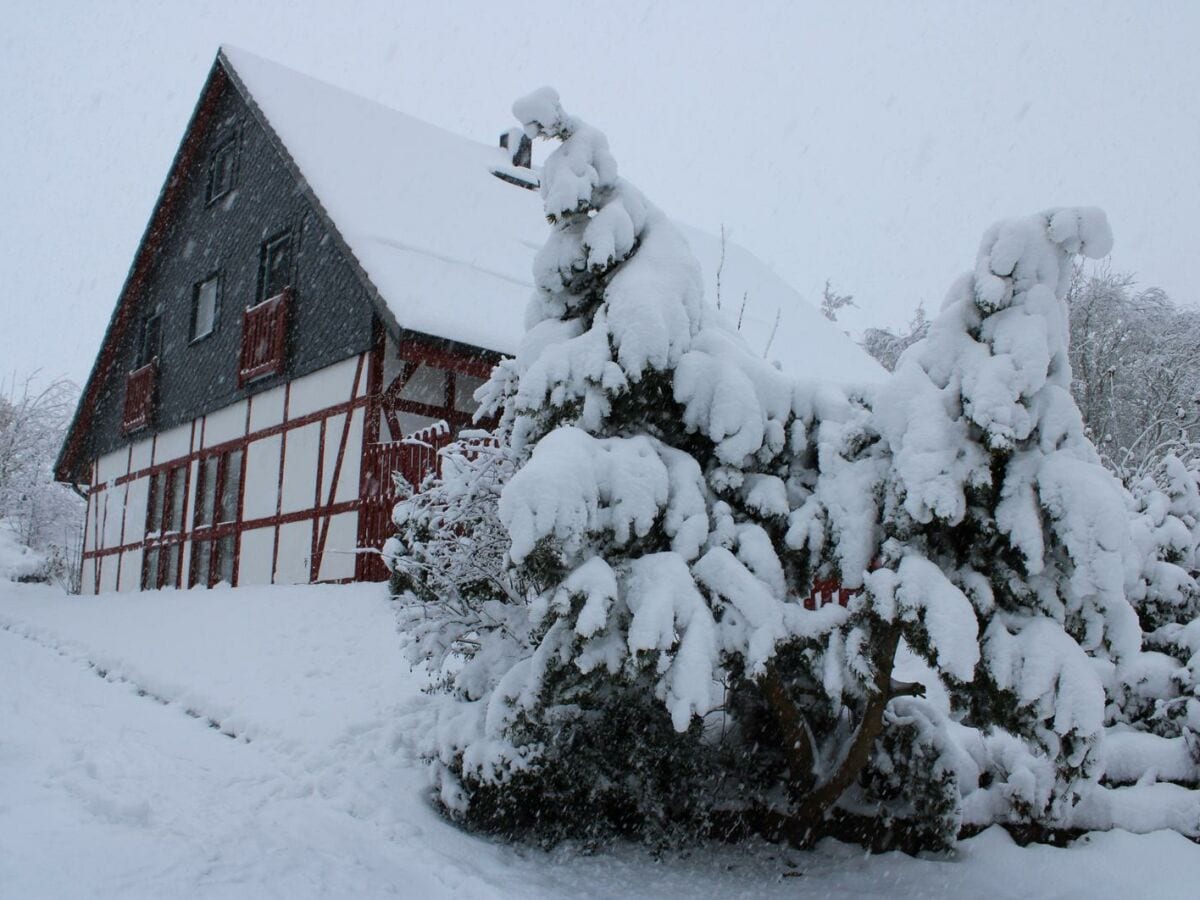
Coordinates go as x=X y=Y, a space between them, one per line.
x=221 y=530
x=212 y=523
x=417 y=455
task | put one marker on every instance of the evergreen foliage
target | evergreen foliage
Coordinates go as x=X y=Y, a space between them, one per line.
x=611 y=588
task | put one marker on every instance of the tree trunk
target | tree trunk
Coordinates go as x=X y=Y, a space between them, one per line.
x=813 y=803
x=797 y=743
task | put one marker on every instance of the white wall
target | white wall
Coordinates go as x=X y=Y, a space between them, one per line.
x=173 y=444
x=338 y=559
x=295 y=553
x=136 y=497
x=255 y=556
x=131 y=570
x=114 y=502
x=347 y=486
x=262 y=478
x=299 y=448
x=325 y=388
x=112 y=465
x=141 y=455
x=108 y=574
x=266 y=409
x=225 y=424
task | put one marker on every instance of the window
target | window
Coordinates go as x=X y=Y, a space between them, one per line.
x=164 y=528
x=426 y=385
x=214 y=522
x=154 y=504
x=206 y=492
x=150 y=340
x=227 y=509
x=429 y=386
x=217 y=492
x=204 y=307
x=275 y=273
x=465 y=387
x=222 y=170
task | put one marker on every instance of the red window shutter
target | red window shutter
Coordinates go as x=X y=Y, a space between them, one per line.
x=264 y=338
x=139 y=397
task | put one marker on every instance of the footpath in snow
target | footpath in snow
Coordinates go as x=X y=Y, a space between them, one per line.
x=258 y=743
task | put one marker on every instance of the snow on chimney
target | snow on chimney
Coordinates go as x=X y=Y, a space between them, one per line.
x=517 y=168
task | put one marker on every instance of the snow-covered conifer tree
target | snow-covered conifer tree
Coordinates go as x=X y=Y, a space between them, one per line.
x=656 y=467
x=998 y=502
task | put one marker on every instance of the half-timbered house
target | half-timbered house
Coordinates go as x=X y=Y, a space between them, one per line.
x=323 y=282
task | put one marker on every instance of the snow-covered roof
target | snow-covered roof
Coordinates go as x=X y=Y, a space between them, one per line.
x=449 y=246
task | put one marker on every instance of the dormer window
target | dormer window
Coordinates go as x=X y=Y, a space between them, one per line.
x=222 y=170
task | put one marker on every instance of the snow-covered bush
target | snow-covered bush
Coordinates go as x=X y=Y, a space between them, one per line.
x=912 y=779
x=1160 y=691
x=1166 y=528
x=448 y=561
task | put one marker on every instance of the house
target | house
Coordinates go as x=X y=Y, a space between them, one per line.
x=321 y=278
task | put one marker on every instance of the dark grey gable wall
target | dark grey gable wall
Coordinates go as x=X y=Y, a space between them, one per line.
x=331 y=318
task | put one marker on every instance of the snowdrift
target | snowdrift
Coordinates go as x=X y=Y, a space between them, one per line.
x=257 y=742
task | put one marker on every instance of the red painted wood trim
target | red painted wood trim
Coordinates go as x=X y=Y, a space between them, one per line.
x=287 y=392
x=183 y=515
x=242 y=441
x=219 y=531
x=392 y=393
x=241 y=507
x=99 y=529
x=337 y=463
x=313 y=562
x=87 y=516
x=156 y=231
x=475 y=363
x=320 y=512
x=370 y=434
x=124 y=513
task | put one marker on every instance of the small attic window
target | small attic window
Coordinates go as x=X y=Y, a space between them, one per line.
x=222 y=170
x=150 y=339
x=205 y=297
x=275 y=268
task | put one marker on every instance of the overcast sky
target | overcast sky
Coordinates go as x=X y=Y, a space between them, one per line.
x=866 y=143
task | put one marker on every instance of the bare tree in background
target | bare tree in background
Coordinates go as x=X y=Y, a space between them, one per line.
x=40 y=514
x=887 y=345
x=1135 y=360
x=832 y=301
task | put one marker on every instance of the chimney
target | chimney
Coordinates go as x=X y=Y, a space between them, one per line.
x=519 y=171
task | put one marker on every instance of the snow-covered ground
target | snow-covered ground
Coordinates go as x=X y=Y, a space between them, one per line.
x=257 y=743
